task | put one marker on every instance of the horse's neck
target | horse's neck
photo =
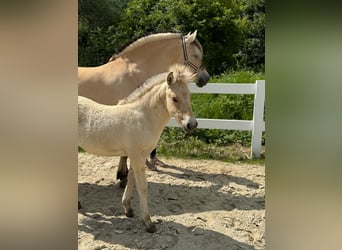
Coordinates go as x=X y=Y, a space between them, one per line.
x=155 y=57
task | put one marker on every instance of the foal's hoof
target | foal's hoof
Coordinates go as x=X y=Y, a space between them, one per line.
x=151 y=228
x=129 y=213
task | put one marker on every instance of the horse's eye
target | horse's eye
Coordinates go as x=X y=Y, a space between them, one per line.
x=196 y=56
x=174 y=99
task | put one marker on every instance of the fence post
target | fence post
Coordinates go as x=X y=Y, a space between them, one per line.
x=258 y=118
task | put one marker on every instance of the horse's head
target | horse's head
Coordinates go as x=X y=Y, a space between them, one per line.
x=178 y=97
x=193 y=56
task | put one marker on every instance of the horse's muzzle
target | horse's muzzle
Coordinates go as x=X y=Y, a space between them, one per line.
x=202 y=78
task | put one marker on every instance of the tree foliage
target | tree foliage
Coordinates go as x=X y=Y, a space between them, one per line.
x=251 y=22
x=231 y=31
x=96 y=22
x=213 y=20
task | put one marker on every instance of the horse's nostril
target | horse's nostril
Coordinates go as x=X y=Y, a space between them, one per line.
x=191 y=126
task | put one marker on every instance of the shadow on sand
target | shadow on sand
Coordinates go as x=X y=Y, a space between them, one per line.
x=104 y=217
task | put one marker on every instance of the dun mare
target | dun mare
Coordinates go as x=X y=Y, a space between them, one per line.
x=148 y=56
x=133 y=127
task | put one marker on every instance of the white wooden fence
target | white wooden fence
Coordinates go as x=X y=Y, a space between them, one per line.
x=257 y=125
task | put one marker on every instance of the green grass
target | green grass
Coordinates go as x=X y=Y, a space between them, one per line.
x=176 y=143
x=243 y=76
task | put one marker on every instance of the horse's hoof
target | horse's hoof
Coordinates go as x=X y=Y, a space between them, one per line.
x=156 y=162
x=129 y=213
x=151 y=228
x=123 y=183
x=79 y=205
x=151 y=166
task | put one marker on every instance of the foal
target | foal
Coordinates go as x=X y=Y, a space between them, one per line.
x=133 y=127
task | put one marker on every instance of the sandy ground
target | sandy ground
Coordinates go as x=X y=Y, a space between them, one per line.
x=197 y=204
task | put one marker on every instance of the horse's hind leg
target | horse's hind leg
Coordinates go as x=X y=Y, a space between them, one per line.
x=127 y=195
x=122 y=171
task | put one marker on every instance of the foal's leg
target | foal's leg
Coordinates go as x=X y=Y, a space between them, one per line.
x=122 y=171
x=141 y=183
x=127 y=195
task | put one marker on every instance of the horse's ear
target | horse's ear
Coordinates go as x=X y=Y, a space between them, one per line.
x=170 y=78
x=191 y=37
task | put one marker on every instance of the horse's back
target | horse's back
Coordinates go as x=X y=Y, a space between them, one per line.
x=108 y=83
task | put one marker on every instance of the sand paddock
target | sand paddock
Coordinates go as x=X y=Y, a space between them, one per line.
x=197 y=204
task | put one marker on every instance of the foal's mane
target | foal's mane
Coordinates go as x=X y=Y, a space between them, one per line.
x=143 y=40
x=144 y=87
x=181 y=74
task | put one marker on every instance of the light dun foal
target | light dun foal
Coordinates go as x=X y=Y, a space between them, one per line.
x=133 y=127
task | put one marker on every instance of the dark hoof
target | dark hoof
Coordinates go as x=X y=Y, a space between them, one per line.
x=79 y=205
x=151 y=165
x=151 y=228
x=123 y=183
x=129 y=213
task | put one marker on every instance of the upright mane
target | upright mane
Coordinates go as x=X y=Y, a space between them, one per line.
x=143 y=40
x=143 y=88
x=181 y=74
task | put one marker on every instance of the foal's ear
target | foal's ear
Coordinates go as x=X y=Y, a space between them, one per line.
x=170 y=78
x=191 y=37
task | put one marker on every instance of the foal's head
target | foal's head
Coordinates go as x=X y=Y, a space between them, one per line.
x=178 y=97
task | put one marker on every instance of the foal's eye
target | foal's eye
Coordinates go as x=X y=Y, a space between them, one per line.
x=174 y=99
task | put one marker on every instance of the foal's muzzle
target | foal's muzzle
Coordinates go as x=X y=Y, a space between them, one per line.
x=189 y=124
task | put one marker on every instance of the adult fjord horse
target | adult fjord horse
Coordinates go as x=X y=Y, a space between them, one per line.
x=148 y=56
x=133 y=127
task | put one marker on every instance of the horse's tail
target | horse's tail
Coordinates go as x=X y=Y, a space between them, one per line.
x=181 y=73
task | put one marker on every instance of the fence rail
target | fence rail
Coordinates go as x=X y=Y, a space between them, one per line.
x=257 y=125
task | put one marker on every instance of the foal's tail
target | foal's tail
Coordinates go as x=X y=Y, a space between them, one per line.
x=181 y=73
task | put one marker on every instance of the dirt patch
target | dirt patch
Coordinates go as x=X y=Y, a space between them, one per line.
x=197 y=204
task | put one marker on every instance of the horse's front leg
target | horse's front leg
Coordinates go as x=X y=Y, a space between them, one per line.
x=122 y=171
x=139 y=173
